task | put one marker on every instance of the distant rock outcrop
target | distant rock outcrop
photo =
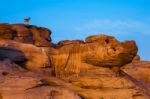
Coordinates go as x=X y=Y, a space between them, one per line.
x=101 y=67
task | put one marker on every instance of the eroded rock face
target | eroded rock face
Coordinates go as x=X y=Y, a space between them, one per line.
x=136 y=58
x=100 y=67
x=19 y=83
x=12 y=54
x=6 y=32
x=35 y=56
x=109 y=52
x=138 y=72
x=29 y=34
x=99 y=50
x=98 y=82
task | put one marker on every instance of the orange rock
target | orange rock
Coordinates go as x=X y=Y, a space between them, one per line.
x=36 y=57
x=68 y=42
x=21 y=30
x=90 y=69
x=29 y=34
x=130 y=47
x=136 y=58
x=6 y=32
x=99 y=50
x=41 y=36
x=28 y=40
x=139 y=73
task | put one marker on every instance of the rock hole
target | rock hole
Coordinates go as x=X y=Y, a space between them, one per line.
x=114 y=49
x=22 y=63
x=5 y=73
x=107 y=41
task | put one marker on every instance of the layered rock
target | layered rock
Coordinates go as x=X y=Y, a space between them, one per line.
x=31 y=88
x=29 y=34
x=96 y=83
x=71 y=57
x=100 y=67
x=138 y=73
x=19 y=83
x=32 y=56
x=6 y=32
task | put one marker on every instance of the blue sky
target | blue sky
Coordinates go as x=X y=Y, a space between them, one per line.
x=77 y=19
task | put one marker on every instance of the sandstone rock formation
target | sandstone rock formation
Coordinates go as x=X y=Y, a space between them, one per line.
x=35 y=56
x=101 y=67
x=26 y=34
x=139 y=74
x=73 y=57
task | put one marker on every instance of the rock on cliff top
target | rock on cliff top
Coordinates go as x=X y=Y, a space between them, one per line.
x=29 y=34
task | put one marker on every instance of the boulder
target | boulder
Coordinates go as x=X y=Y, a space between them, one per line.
x=103 y=50
x=100 y=50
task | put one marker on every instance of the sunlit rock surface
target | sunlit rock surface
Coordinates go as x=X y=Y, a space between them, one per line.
x=35 y=57
x=73 y=57
x=139 y=73
x=26 y=34
x=101 y=67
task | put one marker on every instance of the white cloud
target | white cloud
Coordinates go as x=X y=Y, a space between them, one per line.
x=114 y=27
